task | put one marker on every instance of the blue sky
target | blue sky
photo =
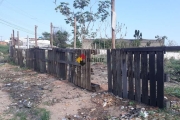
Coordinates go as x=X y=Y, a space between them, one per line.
x=151 y=17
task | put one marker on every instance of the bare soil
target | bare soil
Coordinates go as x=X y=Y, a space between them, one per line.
x=24 y=90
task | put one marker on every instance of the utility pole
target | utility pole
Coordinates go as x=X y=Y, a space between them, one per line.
x=36 y=35
x=74 y=32
x=113 y=22
x=51 y=38
x=27 y=42
x=18 y=38
x=13 y=39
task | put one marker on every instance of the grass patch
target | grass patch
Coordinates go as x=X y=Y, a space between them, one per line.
x=4 y=49
x=38 y=114
x=42 y=113
x=174 y=91
x=20 y=116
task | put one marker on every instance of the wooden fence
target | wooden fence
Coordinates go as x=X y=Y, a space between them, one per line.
x=58 y=62
x=138 y=73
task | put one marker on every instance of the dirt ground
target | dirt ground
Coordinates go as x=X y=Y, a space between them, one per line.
x=24 y=90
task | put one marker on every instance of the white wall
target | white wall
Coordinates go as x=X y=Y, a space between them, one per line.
x=168 y=55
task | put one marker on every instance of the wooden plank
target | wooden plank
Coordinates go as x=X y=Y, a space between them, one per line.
x=124 y=75
x=137 y=76
x=58 y=64
x=76 y=69
x=109 y=70
x=83 y=70
x=119 y=76
x=88 y=71
x=73 y=74
x=70 y=67
x=68 y=62
x=144 y=65
x=54 y=62
x=160 y=79
x=35 y=63
x=65 y=55
x=114 y=72
x=27 y=59
x=49 y=63
x=38 y=60
x=21 y=59
x=152 y=78
x=43 y=62
x=144 y=49
x=79 y=71
x=130 y=76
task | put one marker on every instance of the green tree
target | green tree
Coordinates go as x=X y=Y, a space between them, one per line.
x=46 y=35
x=60 y=38
x=102 y=43
x=161 y=39
x=78 y=43
x=84 y=16
x=138 y=37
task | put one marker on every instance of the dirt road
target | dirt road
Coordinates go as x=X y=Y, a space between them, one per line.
x=33 y=96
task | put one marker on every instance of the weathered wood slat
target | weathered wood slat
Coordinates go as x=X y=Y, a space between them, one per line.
x=43 y=62
x=83 y=70
x=119 y=75
x=114 y=72
x=124 y=75
x=130 y=76
x=137 y=76
x=58 y=64
x=73 y=69
x=152 y=78
x=144 y=65
x=109 y=70
x=160 y=79
x=88 y=71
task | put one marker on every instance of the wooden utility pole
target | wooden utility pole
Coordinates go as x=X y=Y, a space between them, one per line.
x=51 y=37
x=13 y=42
x=27 y=42
x=112 y=22
x=36 y=35
x=74 y=32
x=18 y=38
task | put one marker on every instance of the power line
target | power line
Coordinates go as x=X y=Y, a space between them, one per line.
x=14 y=25
x=25 y=13
x=18 y=21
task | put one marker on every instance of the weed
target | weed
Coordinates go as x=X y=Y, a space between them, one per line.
x=42 y=113
x=4 y=49
x=172 y=66
x=174 y=91
x=20 y=116
x=131 y=103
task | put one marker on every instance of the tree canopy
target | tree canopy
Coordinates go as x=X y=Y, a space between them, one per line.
x=60 y=38
x=84 y=15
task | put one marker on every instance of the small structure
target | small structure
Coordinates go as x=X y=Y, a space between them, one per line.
x=23 y=43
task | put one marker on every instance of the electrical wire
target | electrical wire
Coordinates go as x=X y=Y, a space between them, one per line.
x=16 y=27
x=25 y=13
x=18 y=21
